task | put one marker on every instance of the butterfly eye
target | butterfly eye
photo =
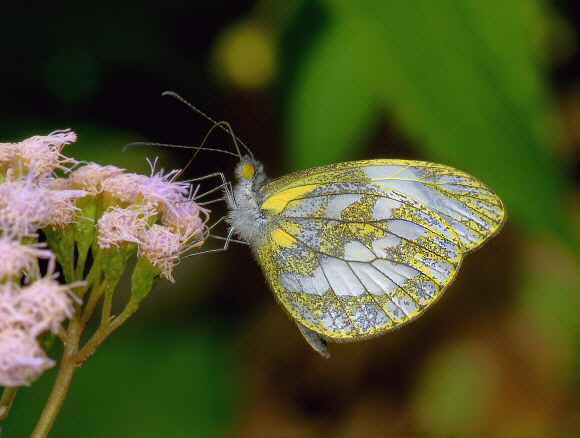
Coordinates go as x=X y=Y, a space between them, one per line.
x=248 y=171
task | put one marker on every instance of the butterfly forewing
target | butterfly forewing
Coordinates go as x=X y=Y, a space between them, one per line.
x=355 y=249
x=472 y=209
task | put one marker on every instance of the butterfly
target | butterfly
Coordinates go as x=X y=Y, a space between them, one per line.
x=355 y=249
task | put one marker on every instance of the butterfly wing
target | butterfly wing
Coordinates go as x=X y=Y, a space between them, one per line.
x=355 y=249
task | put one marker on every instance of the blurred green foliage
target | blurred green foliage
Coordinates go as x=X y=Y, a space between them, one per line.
x=464 y=80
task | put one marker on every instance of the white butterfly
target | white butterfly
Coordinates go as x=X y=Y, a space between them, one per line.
x=355 y=249
x=352 y=250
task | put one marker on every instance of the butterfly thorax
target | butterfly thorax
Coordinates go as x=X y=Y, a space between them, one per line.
x=244 y=202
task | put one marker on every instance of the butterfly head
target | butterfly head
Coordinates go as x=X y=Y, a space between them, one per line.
x=251 y=177
x=250 y=173
x=244 y=200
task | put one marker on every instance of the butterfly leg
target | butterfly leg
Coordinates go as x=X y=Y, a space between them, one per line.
x=314 y=340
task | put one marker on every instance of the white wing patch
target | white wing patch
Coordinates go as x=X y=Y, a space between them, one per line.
x=375 y=282
x=452 y=196
x=383 y=207
x=382 y=245
x=356 y=251
x=337 y=204
x=341 y=278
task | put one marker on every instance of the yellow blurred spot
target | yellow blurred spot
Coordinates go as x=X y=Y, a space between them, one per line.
x=245 y=56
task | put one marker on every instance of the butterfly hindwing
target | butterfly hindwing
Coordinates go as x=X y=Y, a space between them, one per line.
x=356 y=249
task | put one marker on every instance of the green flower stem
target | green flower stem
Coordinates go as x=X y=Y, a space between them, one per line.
x=6 y=401
x=107 y=302
x=67 y=368
x=102 y=279
x=94 y=296
x=144 y=277
x=72 y=356
x=93 y=277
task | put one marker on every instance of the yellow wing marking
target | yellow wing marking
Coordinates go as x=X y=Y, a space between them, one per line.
x=276 y=203
x=282 y=239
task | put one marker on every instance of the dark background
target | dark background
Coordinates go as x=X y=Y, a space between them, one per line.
x=492 y=89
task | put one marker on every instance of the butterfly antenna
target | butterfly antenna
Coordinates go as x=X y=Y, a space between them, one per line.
x=141 y=144
x=222 y=125
x=167 y=145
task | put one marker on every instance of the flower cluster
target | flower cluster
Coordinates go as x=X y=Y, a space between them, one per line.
x=89 y=215
x=156 y=213
x=31 y=302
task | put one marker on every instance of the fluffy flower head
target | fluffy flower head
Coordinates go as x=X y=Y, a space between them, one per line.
x=161 y=247
x=25 y=312
x=16 y=257
x=21 y=358
x=42 y=153
x=183 y=218
x=91 y=176
x=122 y=225
x=25 y=205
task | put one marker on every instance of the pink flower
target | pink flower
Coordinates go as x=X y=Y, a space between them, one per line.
x=65 y=209
x=17 y=258
x=44 y=305
x=161 y=247
x=25 y=312
x=184 y=219
x=21 y=358
x=91 y=176
x=124 y=187
x=163 y=190
x=42 y=153
x=122 y=225
x=25 y=206
x=7 y=155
